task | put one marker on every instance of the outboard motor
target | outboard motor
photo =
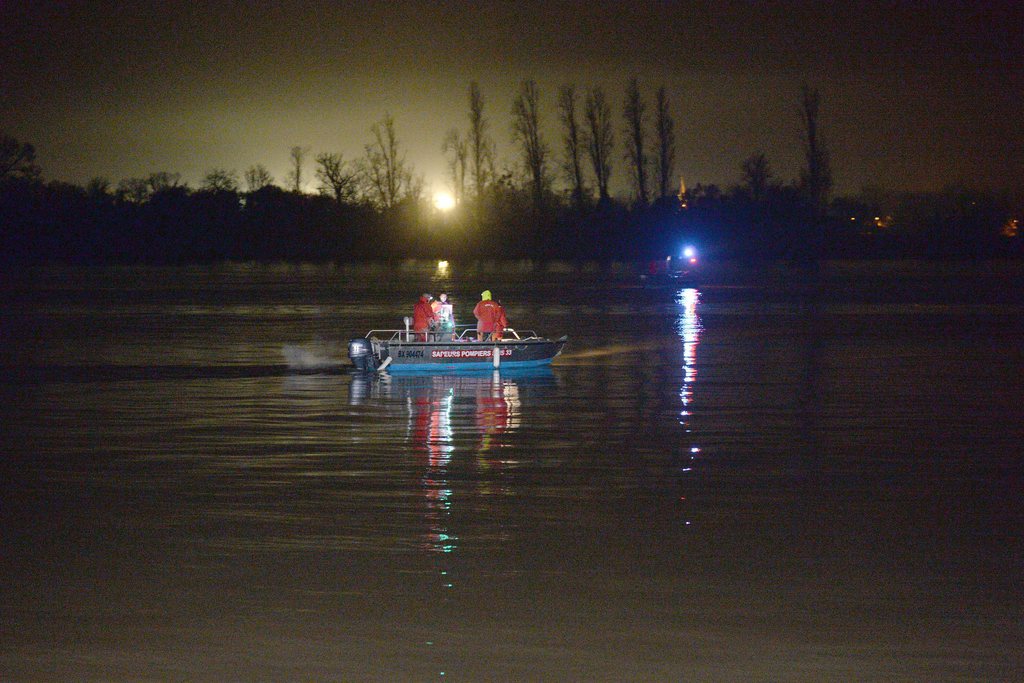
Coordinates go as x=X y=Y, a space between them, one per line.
x=360 y=350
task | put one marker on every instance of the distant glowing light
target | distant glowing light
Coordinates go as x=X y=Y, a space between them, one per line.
x=444 y=201
x=442 y=267
x=689 y=252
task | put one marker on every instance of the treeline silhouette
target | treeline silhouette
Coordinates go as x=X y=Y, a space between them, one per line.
x=373 y=208
x=59 y=222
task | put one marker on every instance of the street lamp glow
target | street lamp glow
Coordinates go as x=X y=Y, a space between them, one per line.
x=444 y=201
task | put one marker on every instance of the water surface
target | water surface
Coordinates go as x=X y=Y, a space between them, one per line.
x=766 y=476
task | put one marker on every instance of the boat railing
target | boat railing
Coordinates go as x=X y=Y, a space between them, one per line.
x=461 y=333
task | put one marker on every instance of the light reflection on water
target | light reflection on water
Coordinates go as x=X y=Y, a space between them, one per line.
x=192 y=462
x=689 y=327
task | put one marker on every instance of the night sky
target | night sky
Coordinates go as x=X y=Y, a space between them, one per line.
x=915 y=95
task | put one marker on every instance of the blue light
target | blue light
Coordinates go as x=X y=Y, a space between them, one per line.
x=689 y=252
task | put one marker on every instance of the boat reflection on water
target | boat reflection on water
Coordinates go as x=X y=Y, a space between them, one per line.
x=432 y=440
x=457 y=422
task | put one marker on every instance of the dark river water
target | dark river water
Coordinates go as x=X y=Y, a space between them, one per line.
x=767 y=476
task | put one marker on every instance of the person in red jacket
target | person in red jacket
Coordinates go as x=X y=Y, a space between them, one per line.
x=423 y=317
x=500 y=323
x=486 y=312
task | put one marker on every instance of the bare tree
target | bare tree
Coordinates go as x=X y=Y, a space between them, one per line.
x=816 y=177
x=162 y=180
x=298 y=157
x=665 y=129
x=456 y=155
x=757 y=175
x=526 y=132
x=572 y=143
x=414 y=187
x=634 y=113
x=98 y=186
x=221 y=180
x=480 y=144
x=388 y=178
x=337 y=177
x=600 y=139
x=16 y=158
x=134 y=190
x=257 y=177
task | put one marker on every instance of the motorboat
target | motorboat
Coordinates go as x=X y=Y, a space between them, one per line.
x=672 y=272
x=452 y=349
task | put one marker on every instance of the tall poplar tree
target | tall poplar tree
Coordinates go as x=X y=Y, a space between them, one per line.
x=664 y=129
x=480 y=144
x=456 y=155
x=634 y=113
x=572 y=143
x=816 y=176
x=600 y=139
x=526 y=132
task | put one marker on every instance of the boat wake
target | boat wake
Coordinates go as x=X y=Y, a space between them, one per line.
x=314 y=357
x=43 y=374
